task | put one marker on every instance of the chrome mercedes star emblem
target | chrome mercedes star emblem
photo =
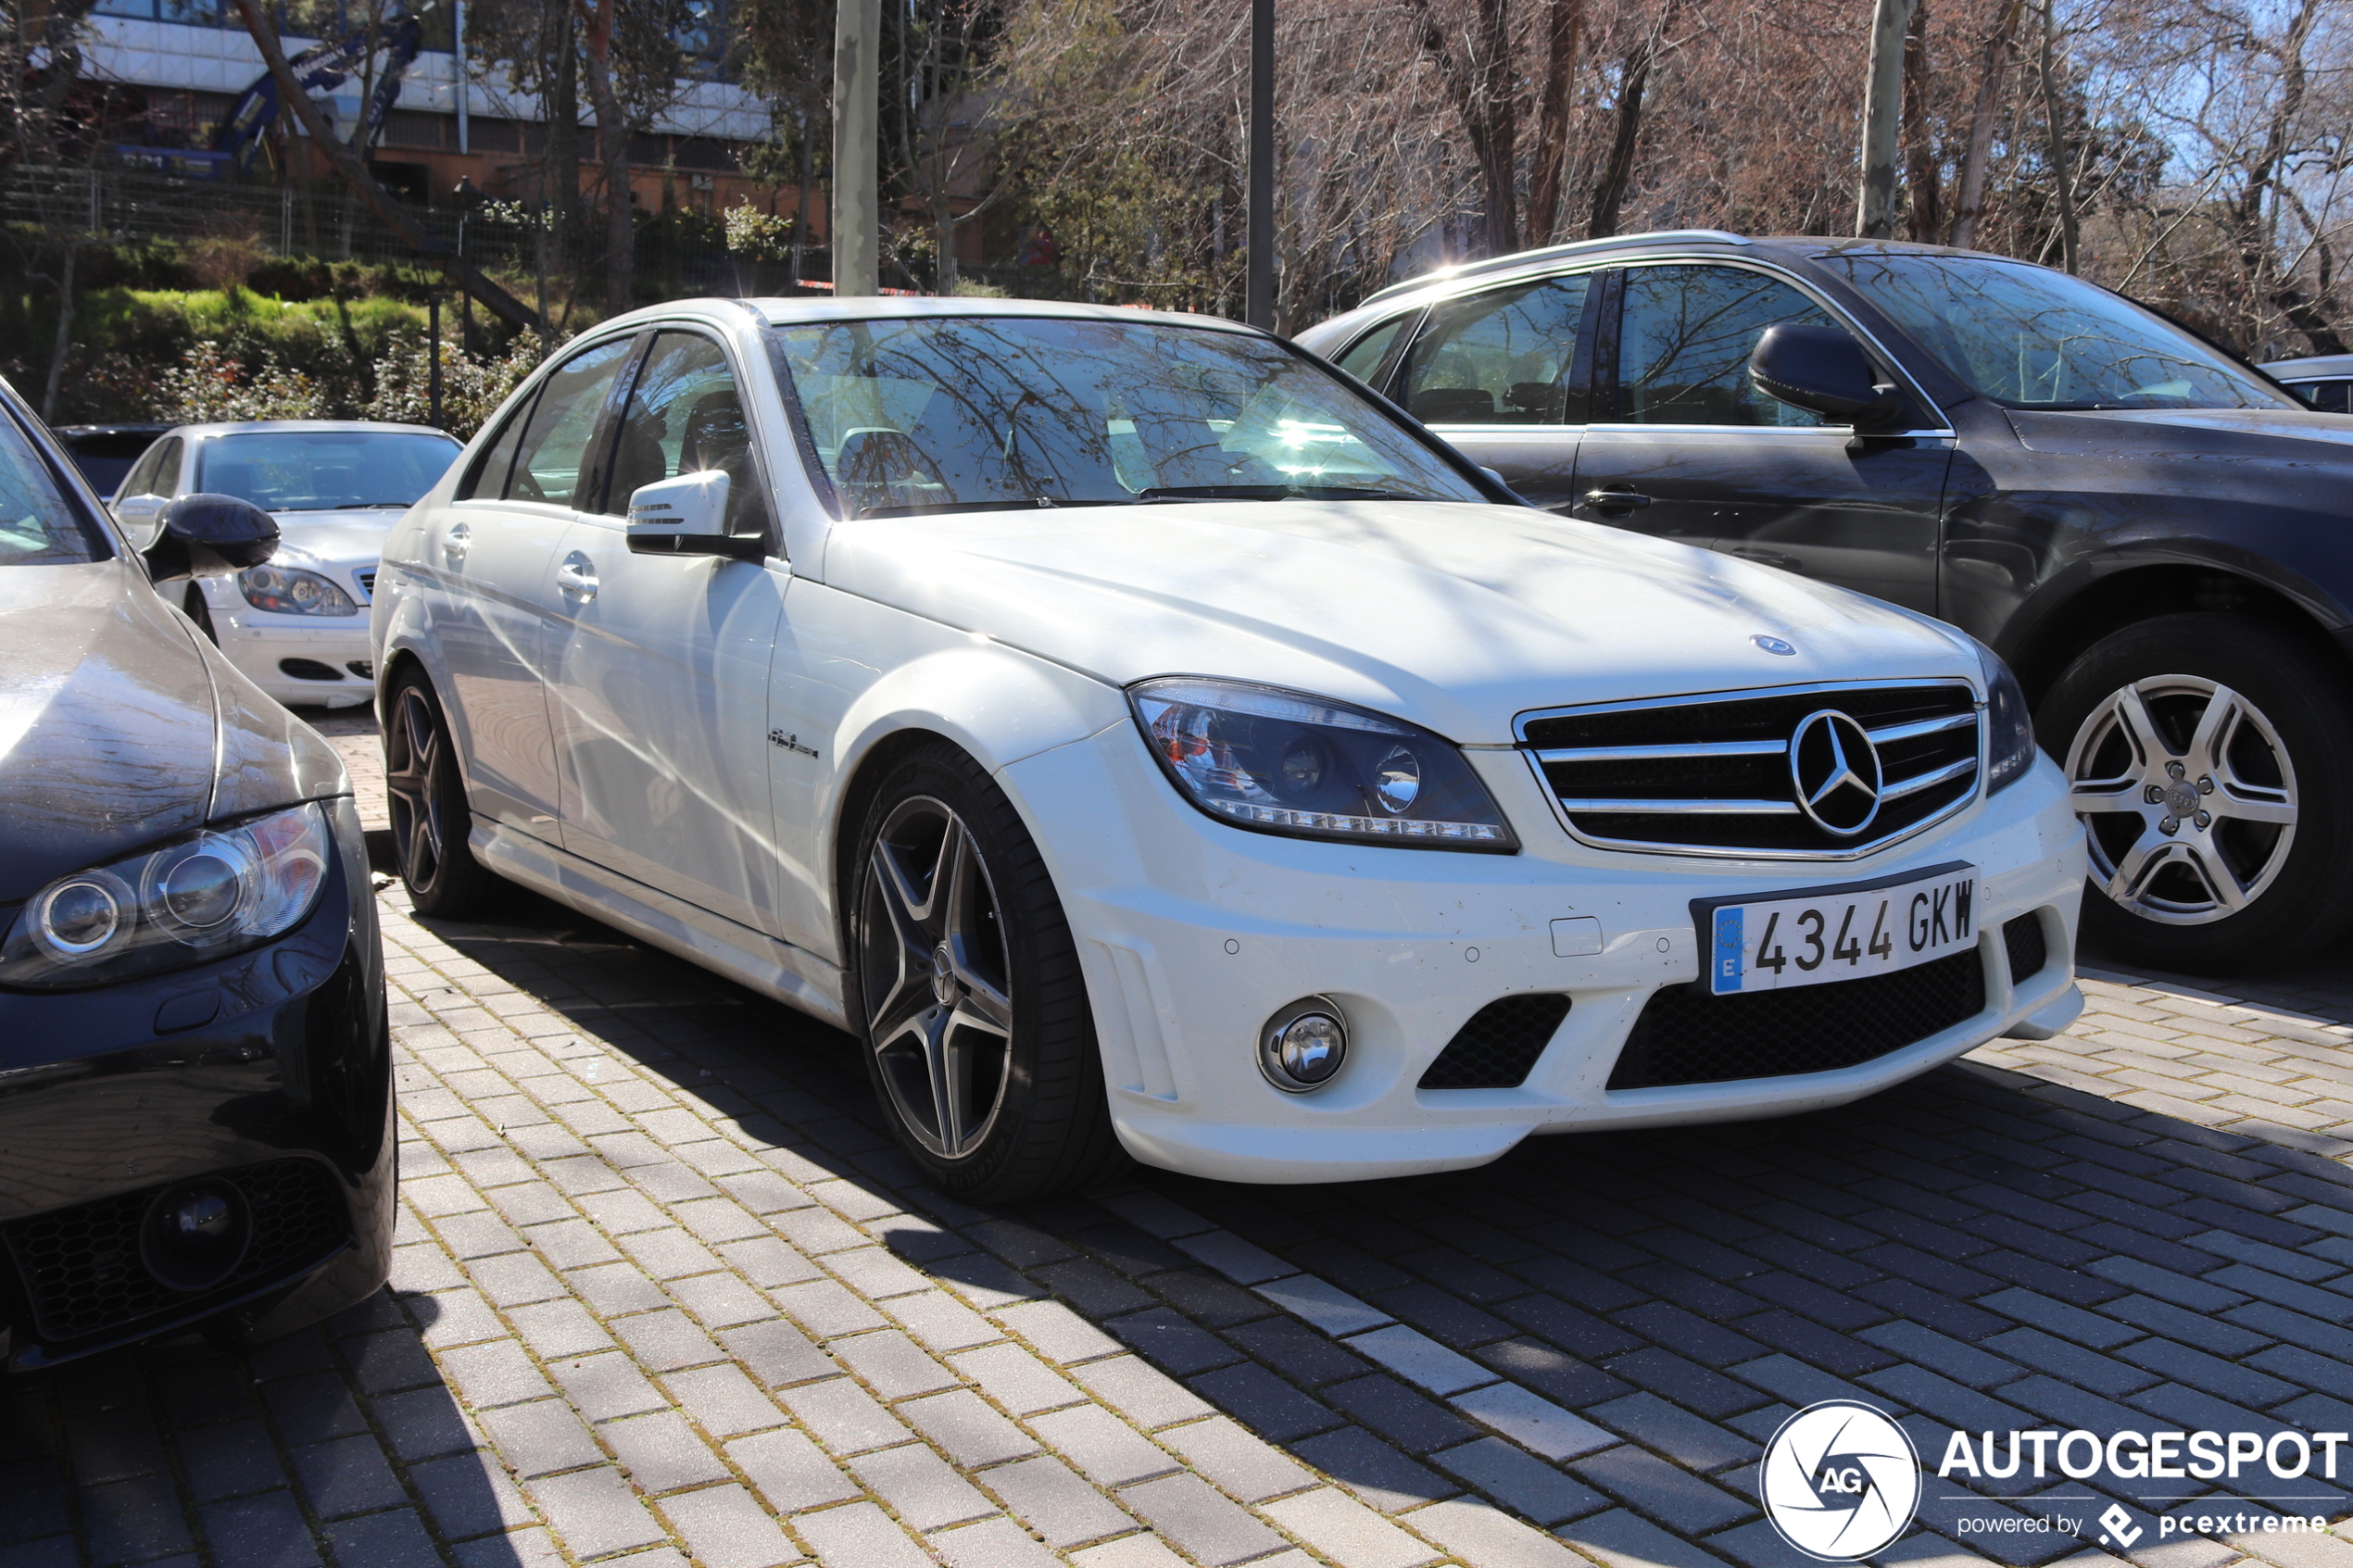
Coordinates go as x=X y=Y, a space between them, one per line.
x=1835 y=769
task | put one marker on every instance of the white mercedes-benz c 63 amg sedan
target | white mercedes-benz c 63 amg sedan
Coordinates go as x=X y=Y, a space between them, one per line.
x=1144 y=740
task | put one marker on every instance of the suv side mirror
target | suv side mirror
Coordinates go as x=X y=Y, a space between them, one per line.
x=1823 y=369
x=203 y=536
x=686 y=516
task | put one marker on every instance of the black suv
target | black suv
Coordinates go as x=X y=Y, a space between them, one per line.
x=2157 y=537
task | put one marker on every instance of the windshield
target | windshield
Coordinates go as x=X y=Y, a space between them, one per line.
x=317 y=470
x=38 y=527
x=2031 y=338
x=968 y=413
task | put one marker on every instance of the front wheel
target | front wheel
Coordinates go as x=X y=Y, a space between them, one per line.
x=967 y=992
x=2210 y=758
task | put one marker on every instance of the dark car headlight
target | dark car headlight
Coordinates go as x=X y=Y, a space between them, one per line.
x=196 y=898
x=289 y=590
x=1285 y=762
x=2009 y=727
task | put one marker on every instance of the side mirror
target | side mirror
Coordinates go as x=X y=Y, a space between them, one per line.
x=209 y=537
x=1823 y=369
x=686 y=516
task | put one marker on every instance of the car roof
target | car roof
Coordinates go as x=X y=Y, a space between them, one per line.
x=1702 y=241
x=242 y=427
x=820 y=309
x=2314 y=366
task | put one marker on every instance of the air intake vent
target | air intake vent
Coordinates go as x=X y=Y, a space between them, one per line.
x=83 y=1275
x=1499 y=1047
x=1713 y=775
x=2029 y=949
x=366 y=578
x=1685 y=1036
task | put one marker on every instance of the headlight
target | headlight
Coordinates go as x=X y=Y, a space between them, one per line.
x=2009 y=728
x=197 y=897
x=289 y=590
x=1284 y=762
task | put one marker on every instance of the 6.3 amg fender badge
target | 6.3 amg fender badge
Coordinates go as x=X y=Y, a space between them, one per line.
x=1840 y=1480
x=790 y=743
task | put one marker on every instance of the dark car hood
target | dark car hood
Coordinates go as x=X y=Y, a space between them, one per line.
x=121 y=727
x=2290 y=434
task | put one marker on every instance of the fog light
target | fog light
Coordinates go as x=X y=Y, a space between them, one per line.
x=1302 y=1045
x=194 y=1234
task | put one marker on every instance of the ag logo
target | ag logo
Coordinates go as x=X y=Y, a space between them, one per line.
x=1839 y=1480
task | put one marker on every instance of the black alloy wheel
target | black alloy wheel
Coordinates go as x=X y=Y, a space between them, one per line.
x=430 y=819
x=2209 y=757
x=967 y=991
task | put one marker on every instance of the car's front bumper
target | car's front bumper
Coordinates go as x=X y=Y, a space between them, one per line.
x=274 y=650
x=1194 y=932
x=111 y=1096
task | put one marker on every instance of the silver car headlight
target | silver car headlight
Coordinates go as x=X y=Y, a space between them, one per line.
x=196 y=898
x=2009 y=727
x=289 y=590
x=1285 y=762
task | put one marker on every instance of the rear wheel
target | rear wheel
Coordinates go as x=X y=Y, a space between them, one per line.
x=430 y=819
x=2210 y=758
x=967 y=992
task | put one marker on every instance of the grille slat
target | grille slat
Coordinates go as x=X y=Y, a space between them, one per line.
x=1686 y=1036
x=1711 y=776
x=82 y=1275
x=1498 y=1047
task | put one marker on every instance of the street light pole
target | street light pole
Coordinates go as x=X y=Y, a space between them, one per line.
x=857 y=218
x=1259 y=296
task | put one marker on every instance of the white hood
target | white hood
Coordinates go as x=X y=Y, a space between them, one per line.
x=1454 y=616
x=341 y=541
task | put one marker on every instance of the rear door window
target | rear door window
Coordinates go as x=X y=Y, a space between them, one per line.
x=1498 y=357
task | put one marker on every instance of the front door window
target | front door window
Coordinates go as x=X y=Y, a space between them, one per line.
x=1684 y=340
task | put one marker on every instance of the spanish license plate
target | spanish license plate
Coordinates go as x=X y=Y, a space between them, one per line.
x=1818 y=935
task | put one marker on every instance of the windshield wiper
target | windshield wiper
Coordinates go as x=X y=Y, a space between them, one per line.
x=1275 y=493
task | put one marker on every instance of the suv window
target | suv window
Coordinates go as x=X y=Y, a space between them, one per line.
x=1495 y=358
x=141 y=480
x=1684 y=337
x=685 y=416
x=2329 y=396
x=554 y=448
x=1365 y=358
x=486 y=479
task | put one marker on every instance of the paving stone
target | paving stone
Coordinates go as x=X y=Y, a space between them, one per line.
x=1203 y=1523
x=860 y=1536
x=892 y=1364
x=469 y=1495
x=921 y=1488
x=395 y=1538
x=843 y=1416
x=791 y=1473
x=972 y=1434
x=1520 y=1481
x=661 y=1453
x=1054 y=1500
x=1238 y=1460
x=606 y=1386
x=1264 y=1403
x=1099 y=1443
x=347 y=1477
x=1373 y=1470
x=994 y=1543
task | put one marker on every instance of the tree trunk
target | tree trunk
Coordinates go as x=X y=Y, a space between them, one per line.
x=2257 y=252
x=1565 y=26
x=560 y=158
x=1882 y=121
x=613 y=145
x=800 y=204
x=1927 y=217
x=1993 y=78
x=1633 y=80
x=1499 y=152
x=65 y=332
x=2055 y=134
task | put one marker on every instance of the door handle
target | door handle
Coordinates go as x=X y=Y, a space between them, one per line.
x=577 y=577
x=1614 y=498
x=1770 y=558
x=455 y=543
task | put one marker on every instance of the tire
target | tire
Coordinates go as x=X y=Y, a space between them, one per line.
x=964 y=987
x=430 y=818
x=2239 y=734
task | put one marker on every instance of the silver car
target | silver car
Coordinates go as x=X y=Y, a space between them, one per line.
x=297 y=625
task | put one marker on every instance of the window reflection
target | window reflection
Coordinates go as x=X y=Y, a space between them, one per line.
x=1685 y=341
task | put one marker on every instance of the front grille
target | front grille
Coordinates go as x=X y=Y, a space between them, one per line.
x=1686 y=1036
x=1711 y=775
x=82 y=1270
x=2028 y=948
x=1499 y=1047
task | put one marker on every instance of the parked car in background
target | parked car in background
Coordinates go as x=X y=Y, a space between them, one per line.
x=2325 y=380
x=2154 y=535
x=296 y=625
x=196 y=1090
x=104 y=453
x=1138 y=737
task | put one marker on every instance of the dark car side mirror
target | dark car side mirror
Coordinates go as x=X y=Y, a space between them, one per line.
x=205 y=535
x=1823 y=369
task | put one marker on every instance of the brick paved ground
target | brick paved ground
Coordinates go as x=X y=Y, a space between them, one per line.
x=664 y=1292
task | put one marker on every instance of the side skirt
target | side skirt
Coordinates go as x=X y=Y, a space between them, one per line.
x=792 y=975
